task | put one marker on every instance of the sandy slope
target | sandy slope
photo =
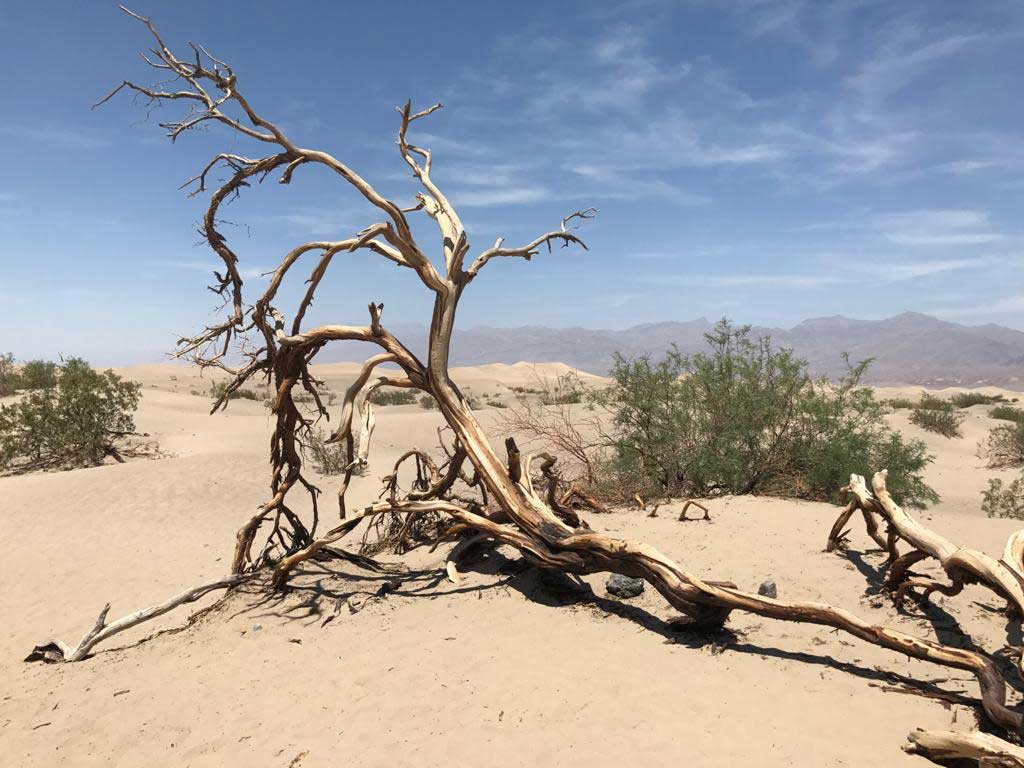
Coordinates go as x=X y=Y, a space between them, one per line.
x=507 y=668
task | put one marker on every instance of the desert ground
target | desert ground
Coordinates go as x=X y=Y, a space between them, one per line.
x=509 y=662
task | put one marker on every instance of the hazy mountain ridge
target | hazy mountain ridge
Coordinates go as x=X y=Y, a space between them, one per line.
x=910 y=348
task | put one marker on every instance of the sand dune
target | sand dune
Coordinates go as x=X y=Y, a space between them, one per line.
x=537 y=670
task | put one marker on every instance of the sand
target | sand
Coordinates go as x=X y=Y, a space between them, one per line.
x=505 y=668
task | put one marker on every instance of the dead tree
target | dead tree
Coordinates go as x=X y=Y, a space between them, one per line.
x=274 y=343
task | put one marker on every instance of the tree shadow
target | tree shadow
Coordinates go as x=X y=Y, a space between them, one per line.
x=873 y=575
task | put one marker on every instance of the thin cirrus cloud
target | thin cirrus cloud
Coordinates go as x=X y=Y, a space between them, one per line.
x=1006 y=306
x=938 y=228
x=53 y=137
x=321 y=221
x=837 y=269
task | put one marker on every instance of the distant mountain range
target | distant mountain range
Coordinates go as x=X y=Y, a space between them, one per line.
x=907 y=349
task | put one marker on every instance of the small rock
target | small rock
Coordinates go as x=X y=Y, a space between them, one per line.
x=257 y=627
x=624 y=586
x=768 y=589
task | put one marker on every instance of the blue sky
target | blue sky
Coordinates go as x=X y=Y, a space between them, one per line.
x=771 y=161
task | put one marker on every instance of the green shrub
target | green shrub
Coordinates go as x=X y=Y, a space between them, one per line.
x=10 y=379
x=932 y=403
x=997 y=502
x=899 y=403
x=327 y=458
x=393 y=396
x=1004 y=446
x=38 y=374
x=428 y=403
x=217 y=389
x=496 y=404
x=942 y=420
x=747 y=418
x=967 y=399
x=1007 y=413
x=71 y=423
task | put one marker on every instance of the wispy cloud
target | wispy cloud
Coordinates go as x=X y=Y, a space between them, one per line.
x=609 y=184
x=1000 y=307
x=748 y=280
x=336 y=222
x=61 y=138
x=832 y=269
x=938 y=228
x=490 y=196
x=896 y=271
x=904 y=56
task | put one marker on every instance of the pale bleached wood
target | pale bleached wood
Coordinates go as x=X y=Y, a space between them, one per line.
x=961 y=564
x=945 y=747
x=101 y=630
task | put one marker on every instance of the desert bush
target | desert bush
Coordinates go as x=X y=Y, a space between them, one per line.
x=71 y=423
x=496 y=404
x=939 y=416
x=1004 y=446
x=747 y=418
x=393 y=396
x=567 y=390
x=218 y=388
x=428 y=403
x=1007 y=413
x=967 y=399
x=38 y=374
x=10 y=379
x=899 y=403
x=999 y=502
x=929 y=402
x=327 y=458
x=300 y=395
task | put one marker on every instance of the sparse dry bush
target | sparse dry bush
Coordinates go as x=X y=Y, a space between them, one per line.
x=899 y=403
x=327 y=458
x=936 y=415
x=567 y=390
x=575 y=433
x=1004 y=446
